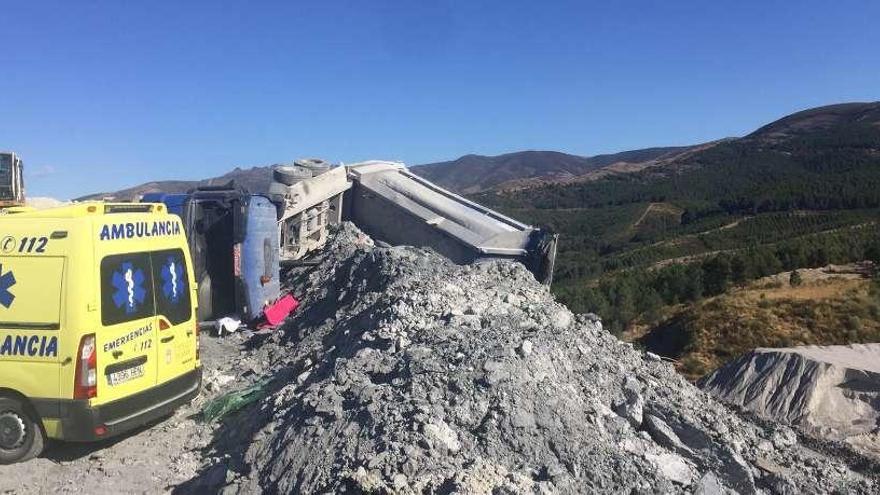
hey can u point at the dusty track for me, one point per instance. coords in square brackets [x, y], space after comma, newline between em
[152, 459]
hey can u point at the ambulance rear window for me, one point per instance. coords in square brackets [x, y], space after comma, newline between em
[126, 288]
[172, 286]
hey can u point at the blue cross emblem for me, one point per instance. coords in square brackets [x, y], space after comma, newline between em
[129, 284]
[173, 282]
[7, 280]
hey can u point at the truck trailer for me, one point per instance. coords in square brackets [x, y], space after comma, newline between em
[11, 180]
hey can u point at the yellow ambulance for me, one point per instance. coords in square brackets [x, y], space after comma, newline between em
[98, 333]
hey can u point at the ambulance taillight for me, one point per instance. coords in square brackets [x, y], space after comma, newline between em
[86, 380]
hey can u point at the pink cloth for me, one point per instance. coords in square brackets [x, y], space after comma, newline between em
[276, 312]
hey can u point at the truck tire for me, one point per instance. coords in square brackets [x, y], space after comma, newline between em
[315, 165]
[291, 175]
[277, 193]
[206, 309]
[21, 435]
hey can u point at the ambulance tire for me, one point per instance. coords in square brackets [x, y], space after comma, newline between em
[31, 446]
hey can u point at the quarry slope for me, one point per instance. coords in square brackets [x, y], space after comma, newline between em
[829, 391]
[404, 373]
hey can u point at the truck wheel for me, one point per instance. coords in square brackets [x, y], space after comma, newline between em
[206, 309]
[291, 175]
[21, 437]
[315, 165]
[278, 196]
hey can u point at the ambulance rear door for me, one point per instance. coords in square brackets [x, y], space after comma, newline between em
[127, 342]
[175, 315]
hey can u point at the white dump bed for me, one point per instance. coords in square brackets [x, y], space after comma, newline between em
[397, 206]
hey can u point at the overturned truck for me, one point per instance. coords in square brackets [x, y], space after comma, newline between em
[237, 238]
[396, 206]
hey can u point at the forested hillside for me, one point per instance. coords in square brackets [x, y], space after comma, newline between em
[834, 305]
[801, 192]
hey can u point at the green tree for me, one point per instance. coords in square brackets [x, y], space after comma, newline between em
[716, 275]
[739, 270]
[872, 253]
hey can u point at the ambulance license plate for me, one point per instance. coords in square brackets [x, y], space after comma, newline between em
[126, 375]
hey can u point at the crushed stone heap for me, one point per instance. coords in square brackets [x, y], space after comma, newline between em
[404, 373]
[829, 391]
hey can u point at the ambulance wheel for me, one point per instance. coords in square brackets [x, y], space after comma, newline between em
[21, 436]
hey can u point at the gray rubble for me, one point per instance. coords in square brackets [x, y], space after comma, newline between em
[404, 373]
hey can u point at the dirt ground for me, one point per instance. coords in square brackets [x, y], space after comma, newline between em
[152, 459]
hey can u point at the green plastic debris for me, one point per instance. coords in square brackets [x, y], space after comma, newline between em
[233, 401]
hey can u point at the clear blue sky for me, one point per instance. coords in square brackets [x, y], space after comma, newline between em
[101, 95]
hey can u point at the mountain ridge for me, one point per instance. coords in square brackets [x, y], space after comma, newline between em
[470, 174]
[254, 179]
[475, 173]
[819, 118]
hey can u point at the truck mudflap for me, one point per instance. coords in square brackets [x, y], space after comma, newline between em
[542, 255]
[81, 422]
[394, 205]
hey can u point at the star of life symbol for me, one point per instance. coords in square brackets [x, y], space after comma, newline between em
[7, 280]
[129, 284]
[172, 281]
[173, 271]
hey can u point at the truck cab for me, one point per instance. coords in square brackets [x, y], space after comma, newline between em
[233, 240]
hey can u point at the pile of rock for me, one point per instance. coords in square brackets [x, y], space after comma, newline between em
[830, 392]
[404, 373]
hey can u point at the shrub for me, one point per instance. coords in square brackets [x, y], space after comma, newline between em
[853, 323]
[874, 311]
